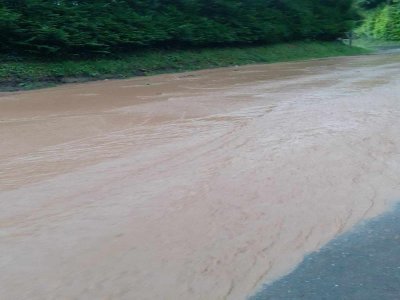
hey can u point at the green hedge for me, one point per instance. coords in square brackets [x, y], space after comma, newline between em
[382, 23]
[54, 28]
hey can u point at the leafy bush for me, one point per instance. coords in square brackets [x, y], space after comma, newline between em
[83, 28]
[382, 23]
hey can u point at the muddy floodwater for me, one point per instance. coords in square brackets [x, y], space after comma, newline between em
[199, 185]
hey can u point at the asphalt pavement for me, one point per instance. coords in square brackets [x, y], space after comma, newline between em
[363, 264]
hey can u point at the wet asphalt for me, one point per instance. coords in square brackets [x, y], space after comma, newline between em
[363, 264]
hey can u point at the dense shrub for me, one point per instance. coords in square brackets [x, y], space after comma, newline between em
[382, 23]
[90, 27]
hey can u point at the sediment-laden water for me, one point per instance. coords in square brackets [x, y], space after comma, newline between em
[200, 185]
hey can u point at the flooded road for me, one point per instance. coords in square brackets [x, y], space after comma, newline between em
[200, 185]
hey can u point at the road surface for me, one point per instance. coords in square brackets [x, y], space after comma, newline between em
[363, 264]
[199, 185]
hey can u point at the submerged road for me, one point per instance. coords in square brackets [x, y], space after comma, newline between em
[200, 185]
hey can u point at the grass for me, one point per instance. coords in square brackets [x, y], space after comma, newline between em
[28, 74]
[376, 45]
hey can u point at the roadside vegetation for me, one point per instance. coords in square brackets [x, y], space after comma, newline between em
[28, 74]
[382, 21]
[375, 45]
[86, 28]
[46, 42]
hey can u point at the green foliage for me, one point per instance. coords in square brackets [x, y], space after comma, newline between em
[382, 23]
[25, 73]
[83, 28]
[370, 4]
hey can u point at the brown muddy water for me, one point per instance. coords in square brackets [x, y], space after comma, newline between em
[199, 185]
